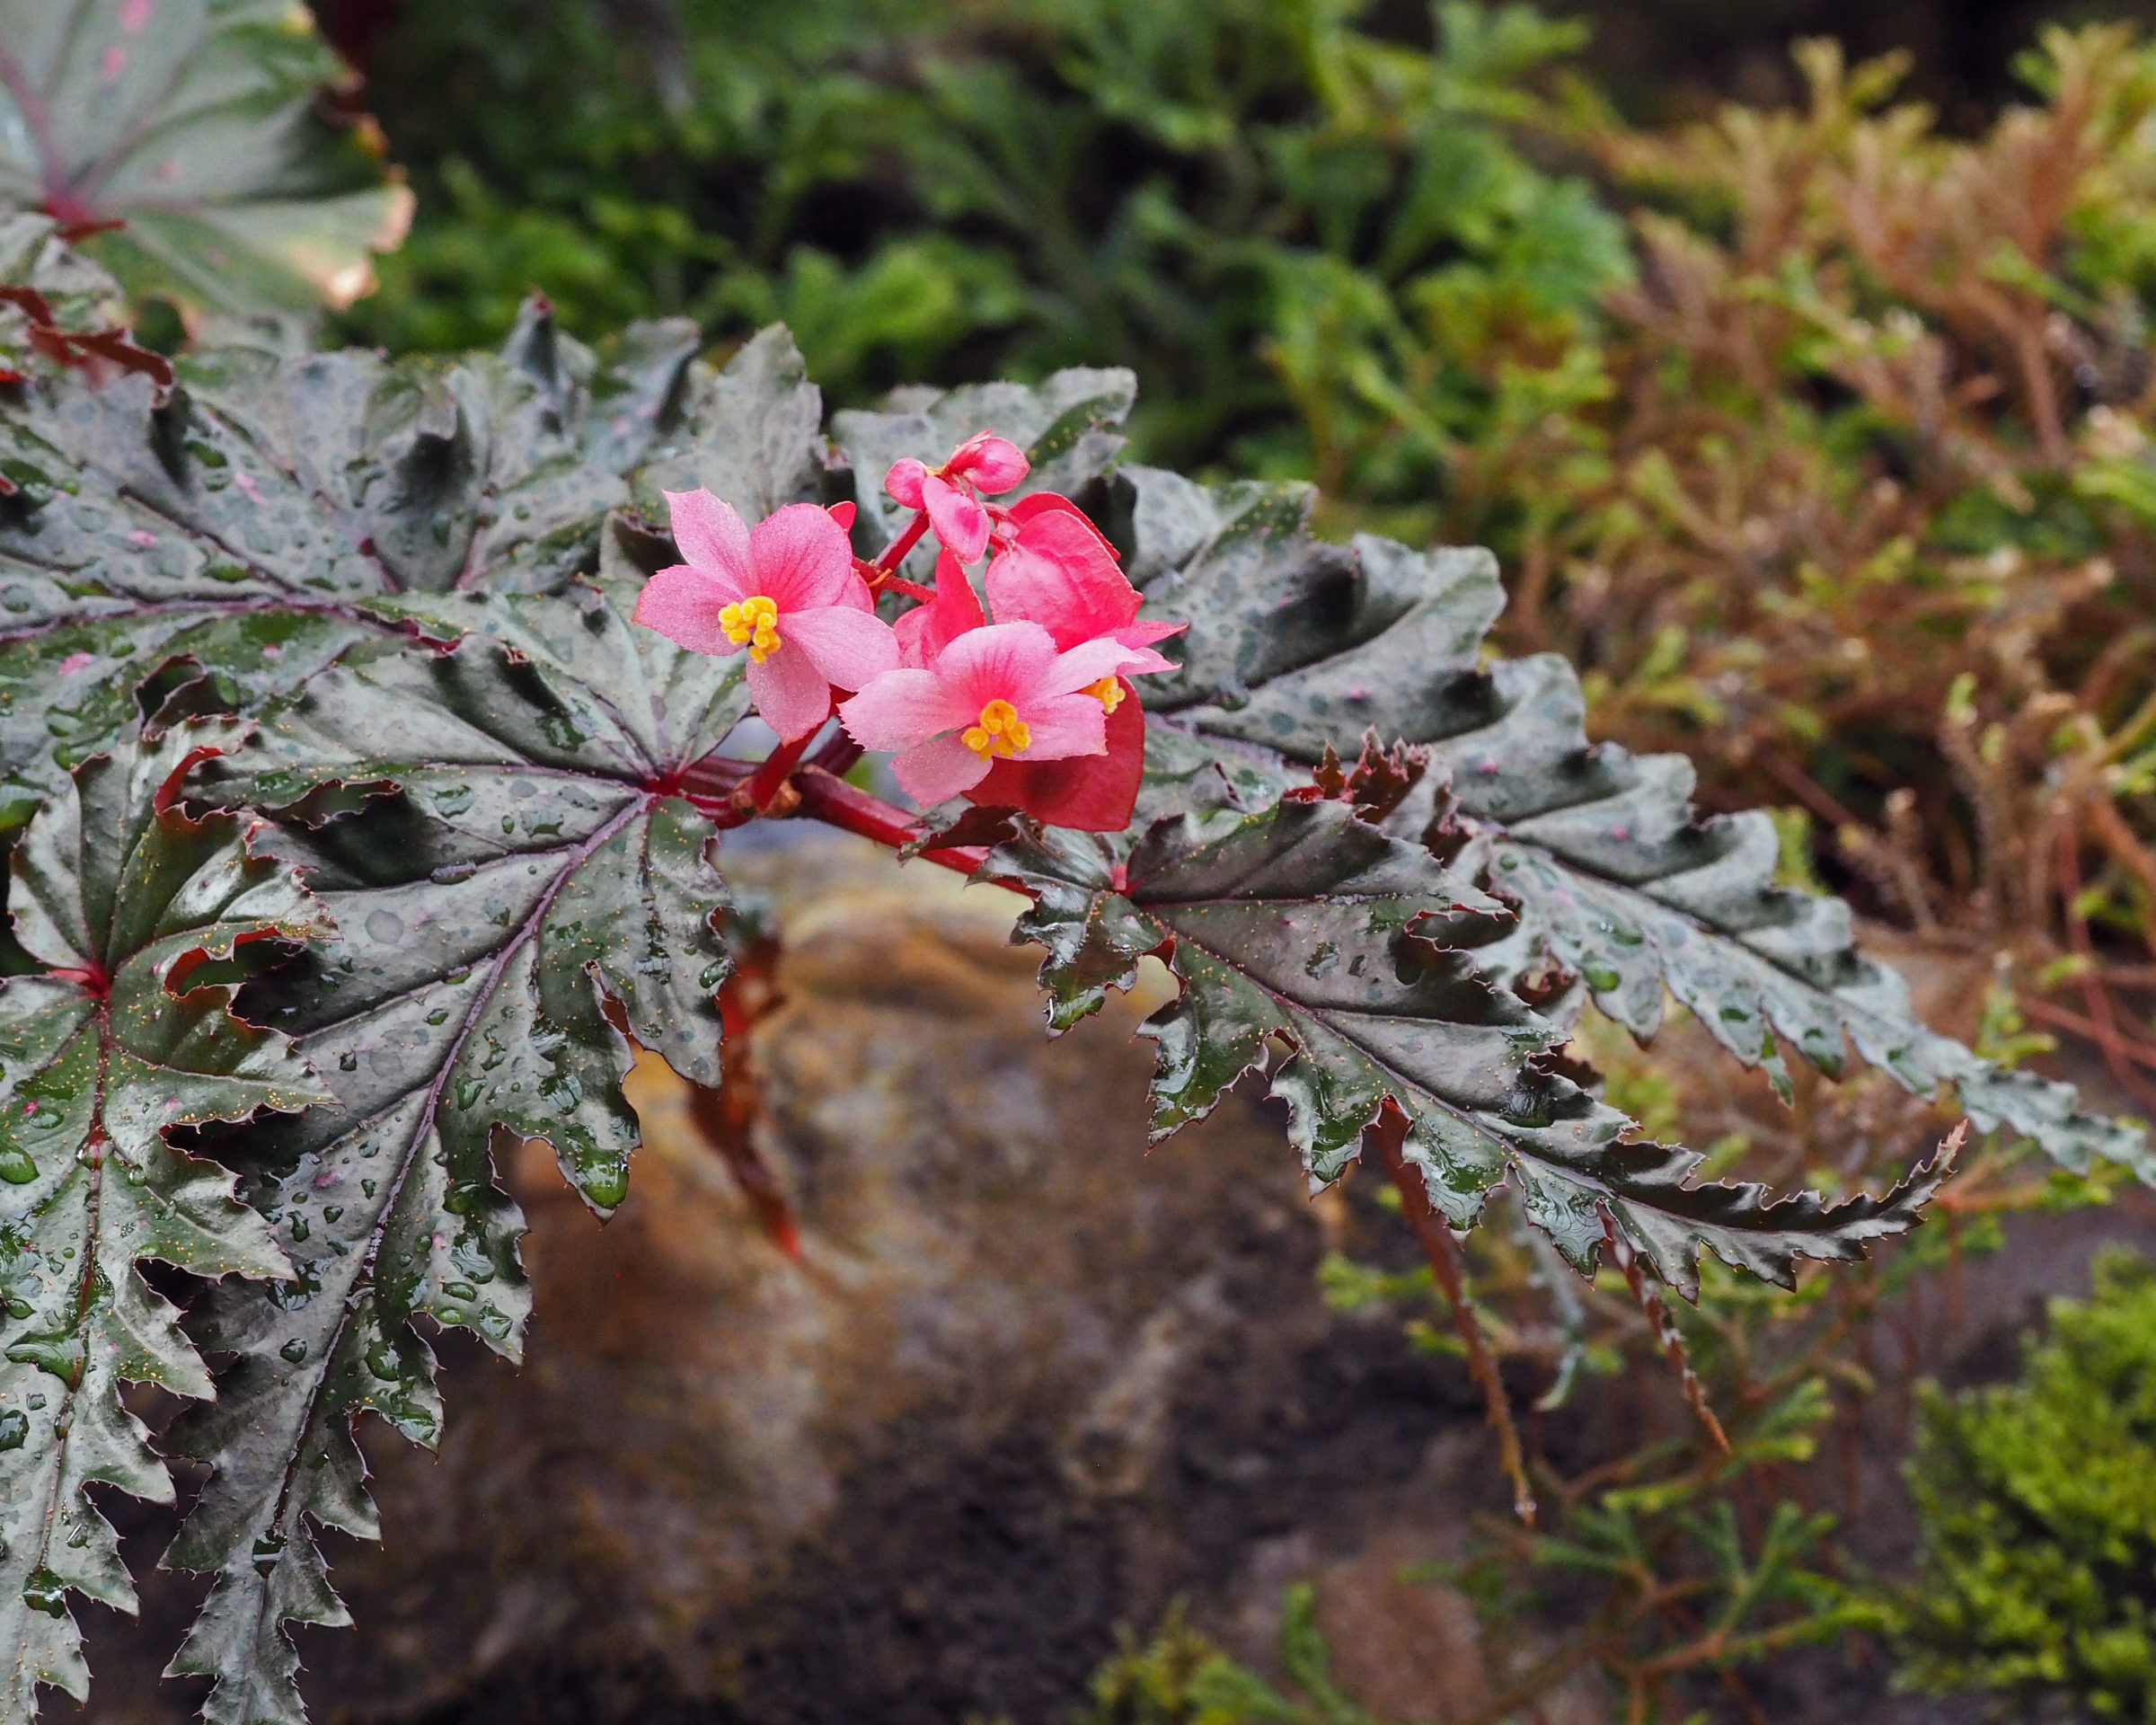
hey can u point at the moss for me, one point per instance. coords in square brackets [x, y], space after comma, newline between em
[2037, 1501]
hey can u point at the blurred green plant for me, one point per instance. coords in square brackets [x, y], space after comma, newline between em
[2038, 1504]
[1679, 1547]
[1180, 1677]
[1245, 201]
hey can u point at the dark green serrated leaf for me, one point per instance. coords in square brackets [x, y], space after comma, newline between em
[752, 434]
[196, 123]
[120, 898]
[1067, 425]
[1295, 643]
[250, 523]
[1307, 924]
[492, 827]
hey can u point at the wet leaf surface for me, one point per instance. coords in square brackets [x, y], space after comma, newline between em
[129, 905]
[488, 827]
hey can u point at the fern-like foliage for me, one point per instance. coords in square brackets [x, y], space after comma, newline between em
[381, 615]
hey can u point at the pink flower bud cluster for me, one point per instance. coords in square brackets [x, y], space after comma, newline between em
[1024, 703]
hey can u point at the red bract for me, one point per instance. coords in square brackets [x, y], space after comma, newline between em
[788, 592]
[928, 629]
[984, 465]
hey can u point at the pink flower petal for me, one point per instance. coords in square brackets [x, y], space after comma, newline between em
[842, 513]
[801, 557]
[904, 482]
[1059, 573]
[1144, 634]
[959, 520]
[789, 692]
[711, 536]
[928, 629]
[1064, 725]
[1083, 665]
[1002, 662]
[682, 604]
[849, 648]
[994, 464]
[902, 708]
[1141, 661]
[1043, 502]
[931, 772]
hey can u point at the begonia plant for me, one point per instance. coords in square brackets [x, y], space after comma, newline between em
[372, 734]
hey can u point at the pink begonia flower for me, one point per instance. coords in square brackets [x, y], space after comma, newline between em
[788, 592]
[1090, 794]
[1052, 567]
[984, 465]
[999, 693]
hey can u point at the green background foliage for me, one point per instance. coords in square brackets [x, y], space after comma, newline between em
[2038, 1506]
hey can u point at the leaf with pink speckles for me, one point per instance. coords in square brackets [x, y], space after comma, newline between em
[197, 133]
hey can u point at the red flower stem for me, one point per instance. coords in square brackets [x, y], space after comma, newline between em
[894, 552]
[837, 803]
[764, 786]
[1389, 1132]
[838, 757]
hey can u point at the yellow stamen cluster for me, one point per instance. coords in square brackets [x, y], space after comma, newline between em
[754, 624]
[1000, 732]
[1107, 692]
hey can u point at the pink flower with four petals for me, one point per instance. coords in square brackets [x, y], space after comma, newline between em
[787, 591]
[1001, 692]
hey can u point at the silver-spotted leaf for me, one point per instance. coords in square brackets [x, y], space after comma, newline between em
[123, 898]
[75, 293]
[1296, 643]
[245, 527]
[496, 828]
[1306, 925]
